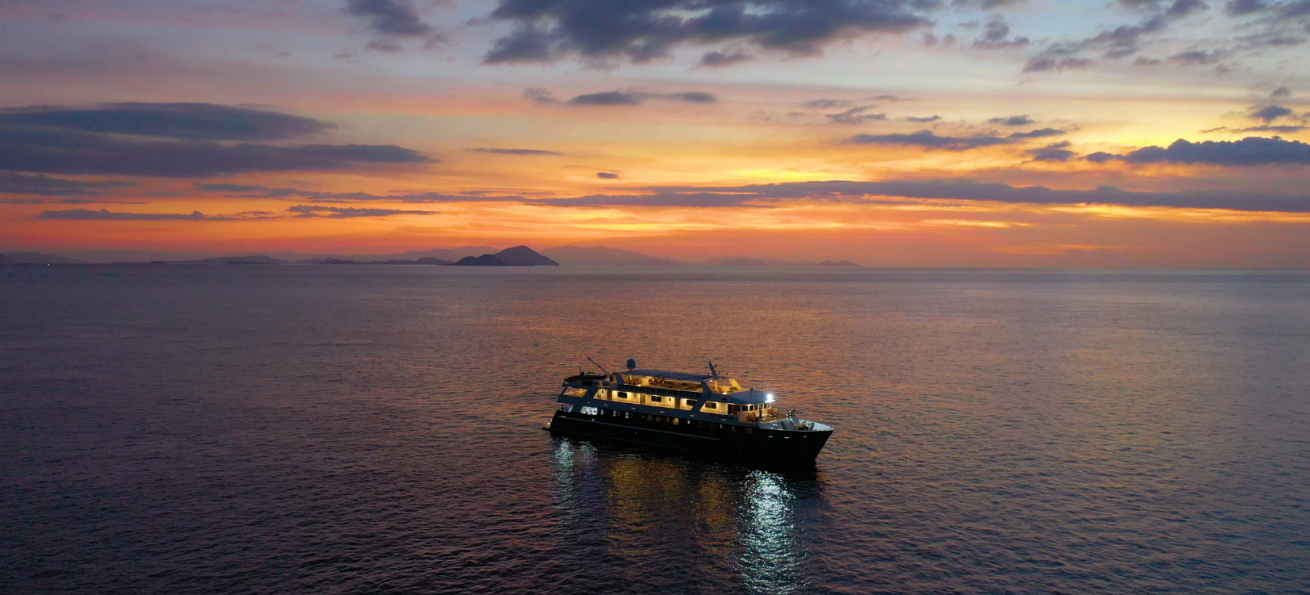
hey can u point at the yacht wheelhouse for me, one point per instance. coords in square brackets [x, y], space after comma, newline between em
[703, 413]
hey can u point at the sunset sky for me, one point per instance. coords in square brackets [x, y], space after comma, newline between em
[887, 132]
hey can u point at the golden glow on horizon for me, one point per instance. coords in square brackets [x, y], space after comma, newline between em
[973, 223]
[690, 146]
[1056, 249]
[1185, 215]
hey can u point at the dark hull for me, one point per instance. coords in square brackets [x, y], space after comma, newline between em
[720, 441]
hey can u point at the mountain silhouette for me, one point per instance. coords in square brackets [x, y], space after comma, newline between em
[486, 260]
[254, 259]
[523, 256]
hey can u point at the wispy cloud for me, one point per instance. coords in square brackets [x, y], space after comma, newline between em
[927, 139]
[350, 212]
[15, 183]
[856, 115]
[1053, 152]
[1023, 120]
[721, 58]
[1269, 113]
[393, 20]
[521, 152]
[630, 98]
[106, 215]
[251, 191]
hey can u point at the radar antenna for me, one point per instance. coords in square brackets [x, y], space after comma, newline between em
[713, 371]
[602, 368]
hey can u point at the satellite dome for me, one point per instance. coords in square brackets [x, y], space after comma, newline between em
[632, 364]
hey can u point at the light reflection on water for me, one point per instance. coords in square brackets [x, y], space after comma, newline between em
[740, 522]
[771, 558]
[376, 429]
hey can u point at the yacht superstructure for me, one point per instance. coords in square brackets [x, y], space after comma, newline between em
[704, 413]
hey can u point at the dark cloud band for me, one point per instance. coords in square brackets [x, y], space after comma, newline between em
[173, 140]
[106, 215]
[877, 192]
[188, 121]
[12, 183]
[350, 212]
[642, 30]
[1246, 152]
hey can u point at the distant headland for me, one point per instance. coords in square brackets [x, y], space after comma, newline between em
[475, 256]
[518, 256]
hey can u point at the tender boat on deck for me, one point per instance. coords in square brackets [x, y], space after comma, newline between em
[701, 413]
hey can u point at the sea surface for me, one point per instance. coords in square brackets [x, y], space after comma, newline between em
[377, 429]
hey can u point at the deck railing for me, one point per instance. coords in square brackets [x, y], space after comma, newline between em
[760, 416]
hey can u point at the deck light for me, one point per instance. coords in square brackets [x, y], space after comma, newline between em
[768, 397]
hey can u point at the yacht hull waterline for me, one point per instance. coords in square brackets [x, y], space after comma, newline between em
[703, 415]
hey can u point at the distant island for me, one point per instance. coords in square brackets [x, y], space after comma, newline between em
[425, 260]
[477, 256]
[521, 256]
[518, 256]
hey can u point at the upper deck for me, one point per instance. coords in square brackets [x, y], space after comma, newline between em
[676, 384]
[690, 396]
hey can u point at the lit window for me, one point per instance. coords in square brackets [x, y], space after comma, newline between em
[589, 411]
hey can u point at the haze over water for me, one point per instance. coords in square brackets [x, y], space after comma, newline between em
[315, 429]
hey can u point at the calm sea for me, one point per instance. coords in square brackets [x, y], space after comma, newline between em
[372, 429]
